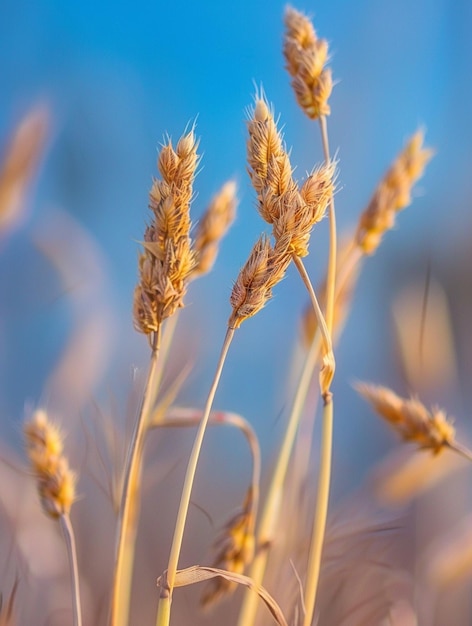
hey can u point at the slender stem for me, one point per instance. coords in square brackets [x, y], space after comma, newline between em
[462, 450]
[69, 537]
[129, 507]
[179, 417]
[324, 478]
[319, 525]
[331, 277]
[270, 512]
[163, 611]
[329, 363]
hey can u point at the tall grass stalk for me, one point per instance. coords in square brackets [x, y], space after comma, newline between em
[324, 476]
[165, 600]
[266, 531]
[129, 508]
[69, 538]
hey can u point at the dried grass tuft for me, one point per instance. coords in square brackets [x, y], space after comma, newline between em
[264, 268]
[168, 260]
[392, 194]
[55, 480]
[306, 56]
[292, 211]
[213, 226]
[409, 417]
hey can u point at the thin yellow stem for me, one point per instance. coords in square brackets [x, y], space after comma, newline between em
[69, 537]
[130, 501]
[319, 526]
[324, 477]
[270, 512]
[349, 263]
[328, 361]
[331, 277]
[462, 450]
[163, 611]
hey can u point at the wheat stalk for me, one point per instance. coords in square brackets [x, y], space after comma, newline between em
[56, 487]
[165, 268]
[306, 56]
[392, 194]
[429, 429]
[252, 290]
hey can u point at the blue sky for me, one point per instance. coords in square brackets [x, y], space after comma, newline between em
[118, 76]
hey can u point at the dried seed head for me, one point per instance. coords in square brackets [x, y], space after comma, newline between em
[292, 211]
[393, 194]
[56, 482]
[266, 155]
[306, 56]
[264, 268]
[299, 29]
[213, 226]
[234, 550]
[303, 209]
[410, 418]
[168, 260]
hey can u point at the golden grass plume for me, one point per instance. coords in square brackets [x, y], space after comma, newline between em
[410, 418]
[55, 480]
[213, 226]
[306, 55]
[168, 260]
[393, 193]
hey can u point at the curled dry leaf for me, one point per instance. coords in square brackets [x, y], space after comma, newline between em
[199, 573]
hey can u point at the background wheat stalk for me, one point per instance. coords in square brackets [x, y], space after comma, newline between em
[165, 267]
[56, 487]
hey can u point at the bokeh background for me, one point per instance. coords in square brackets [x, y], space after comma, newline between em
[115, 78]
[109, 80]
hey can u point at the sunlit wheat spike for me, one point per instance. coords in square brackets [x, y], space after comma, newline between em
[265, 267]
[234, 550]
[269, 163]
[410, 418]
[213, 226]
[168, 260]
[392, 194]
[306, 56]
[304, 208]
[55, 480]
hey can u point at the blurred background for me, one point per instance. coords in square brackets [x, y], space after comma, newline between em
[112, 79]
[107, 82]
[115, 78]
